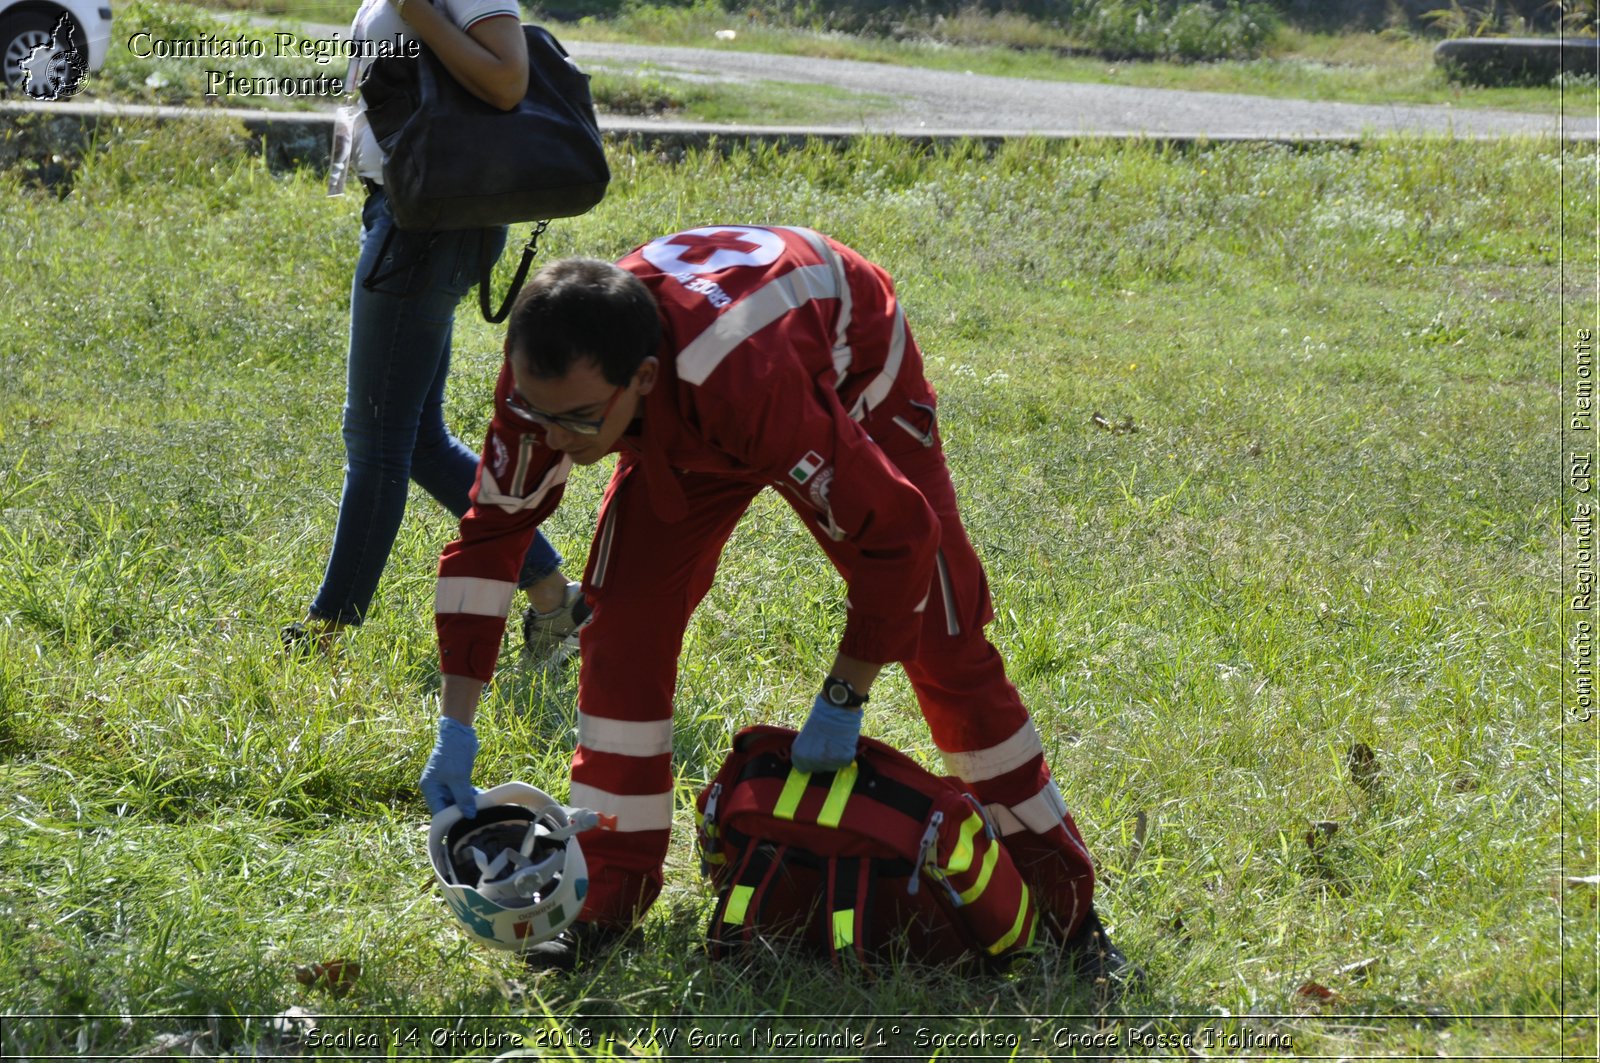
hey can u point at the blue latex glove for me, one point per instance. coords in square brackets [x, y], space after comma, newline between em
[827, 742]
[447, 780]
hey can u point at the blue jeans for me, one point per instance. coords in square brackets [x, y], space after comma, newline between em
[394, 428]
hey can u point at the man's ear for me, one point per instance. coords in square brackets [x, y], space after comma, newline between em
[646, 375]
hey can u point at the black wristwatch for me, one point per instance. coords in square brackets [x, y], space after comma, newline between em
[836, 691]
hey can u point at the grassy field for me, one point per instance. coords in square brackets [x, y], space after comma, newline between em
[1351, 68]
[1332, 519]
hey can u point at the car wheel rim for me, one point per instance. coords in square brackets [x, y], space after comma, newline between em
[17, 52]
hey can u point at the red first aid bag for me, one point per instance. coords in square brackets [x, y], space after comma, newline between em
[879, 859]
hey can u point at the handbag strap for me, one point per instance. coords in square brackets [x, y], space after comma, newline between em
[486, 282]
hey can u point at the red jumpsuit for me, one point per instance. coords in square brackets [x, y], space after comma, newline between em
[785, 363]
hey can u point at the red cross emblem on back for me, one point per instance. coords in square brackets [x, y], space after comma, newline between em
[697, 247]
[713, 249]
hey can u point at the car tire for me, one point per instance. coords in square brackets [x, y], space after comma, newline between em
[20, 34]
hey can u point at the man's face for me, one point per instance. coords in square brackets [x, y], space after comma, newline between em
[581, 414]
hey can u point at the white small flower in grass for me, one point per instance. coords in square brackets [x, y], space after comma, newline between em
[157, 80]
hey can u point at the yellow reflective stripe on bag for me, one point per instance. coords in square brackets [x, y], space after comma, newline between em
[794, 788]
[738, 904]
[961, 856]
[844, 783]
[990, 858]
[1024, 909]
[844, 928]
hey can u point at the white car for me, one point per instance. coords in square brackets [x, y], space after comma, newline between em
[47, 46]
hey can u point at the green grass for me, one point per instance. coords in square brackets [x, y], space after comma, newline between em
[1337, 522]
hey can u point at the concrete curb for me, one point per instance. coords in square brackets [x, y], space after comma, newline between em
[1518, 60]
[52, 135]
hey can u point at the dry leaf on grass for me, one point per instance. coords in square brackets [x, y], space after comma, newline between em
[1320, 834]
[1364, 769]
[1141, 829]
[1099, 420]
[336, 976]
[1316, 993]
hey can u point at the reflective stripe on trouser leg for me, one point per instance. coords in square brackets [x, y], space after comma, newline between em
[654, 576]
[979, 723]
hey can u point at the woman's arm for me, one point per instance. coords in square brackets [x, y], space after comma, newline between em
[490, 59]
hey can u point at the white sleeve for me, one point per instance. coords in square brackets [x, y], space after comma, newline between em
[465, 13]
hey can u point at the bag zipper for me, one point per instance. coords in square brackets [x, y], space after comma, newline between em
[710, 822]
[930, 840]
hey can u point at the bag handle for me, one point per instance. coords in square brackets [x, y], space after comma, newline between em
[486, 282]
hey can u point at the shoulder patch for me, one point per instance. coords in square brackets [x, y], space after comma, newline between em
[806, 468]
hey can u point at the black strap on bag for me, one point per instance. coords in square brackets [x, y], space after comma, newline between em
[486, 267]
[751, 879]
[452, 161]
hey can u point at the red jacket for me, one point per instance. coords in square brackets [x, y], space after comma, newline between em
[784, 354]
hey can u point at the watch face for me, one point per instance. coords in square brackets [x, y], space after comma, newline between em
[838, 692]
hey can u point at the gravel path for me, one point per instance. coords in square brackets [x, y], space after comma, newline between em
[937, 102]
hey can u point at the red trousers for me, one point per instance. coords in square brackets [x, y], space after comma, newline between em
[645, 576]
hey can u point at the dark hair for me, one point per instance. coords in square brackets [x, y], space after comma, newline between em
[581, 308]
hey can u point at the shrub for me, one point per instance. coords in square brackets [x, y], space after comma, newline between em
[1168, 29]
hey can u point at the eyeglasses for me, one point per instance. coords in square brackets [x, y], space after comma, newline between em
[578, 426]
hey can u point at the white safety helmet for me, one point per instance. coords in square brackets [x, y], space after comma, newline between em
[513, 874]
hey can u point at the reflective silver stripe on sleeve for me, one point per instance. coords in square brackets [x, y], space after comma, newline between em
[878, 390]
[489, 493]
[470, 594]
[952, 623]
[629, 738]
[649, 812]
[980, 764]
[602, 562]
[841, 348]
[519, 479]
[750, 315]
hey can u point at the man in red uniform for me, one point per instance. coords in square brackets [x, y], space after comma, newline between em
[716, 363]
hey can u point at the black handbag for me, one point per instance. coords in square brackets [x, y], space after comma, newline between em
[452, 161]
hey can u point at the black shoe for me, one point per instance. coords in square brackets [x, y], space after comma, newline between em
[1097, 961]
[579, 944]
[306, 640]
[296, 639]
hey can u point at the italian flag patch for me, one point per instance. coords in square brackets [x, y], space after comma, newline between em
[806, 468]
